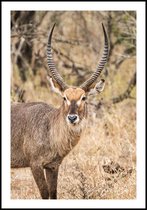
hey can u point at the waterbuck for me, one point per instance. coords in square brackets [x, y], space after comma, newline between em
[43, 135]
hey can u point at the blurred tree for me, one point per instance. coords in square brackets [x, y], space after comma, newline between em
[22, 27]
[77, 43]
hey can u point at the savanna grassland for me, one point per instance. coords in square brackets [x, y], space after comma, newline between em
[103, 164]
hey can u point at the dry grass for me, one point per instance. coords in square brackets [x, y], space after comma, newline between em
[102, 165]
[23, 185]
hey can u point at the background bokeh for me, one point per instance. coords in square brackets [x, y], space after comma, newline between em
[103, 164]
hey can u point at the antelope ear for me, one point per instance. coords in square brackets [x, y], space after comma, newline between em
[54, 86]
[99, 87]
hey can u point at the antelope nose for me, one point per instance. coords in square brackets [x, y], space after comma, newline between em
[72, 118]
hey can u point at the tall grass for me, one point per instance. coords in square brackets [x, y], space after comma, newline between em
[101, 166]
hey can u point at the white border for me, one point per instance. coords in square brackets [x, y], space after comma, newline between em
[6, 66]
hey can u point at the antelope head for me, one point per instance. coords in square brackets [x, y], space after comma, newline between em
[74, 98]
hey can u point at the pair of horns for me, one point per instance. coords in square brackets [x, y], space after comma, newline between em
[86, 85]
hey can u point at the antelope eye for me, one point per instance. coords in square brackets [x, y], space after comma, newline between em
[84, 98]
[64, 98]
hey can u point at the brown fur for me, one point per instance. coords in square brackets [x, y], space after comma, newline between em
[41, 138]
[74, 93]
[42, 135]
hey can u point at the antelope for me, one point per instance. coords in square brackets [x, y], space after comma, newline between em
[42, 135]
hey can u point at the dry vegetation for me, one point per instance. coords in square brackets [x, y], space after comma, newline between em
[103, 164]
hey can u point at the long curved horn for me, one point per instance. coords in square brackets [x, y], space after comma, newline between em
[52, 69]
[100, 66]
